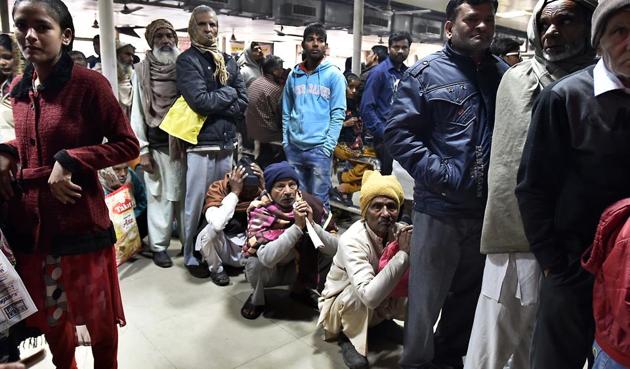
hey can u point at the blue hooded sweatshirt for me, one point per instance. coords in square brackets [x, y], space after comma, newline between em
[313, 108]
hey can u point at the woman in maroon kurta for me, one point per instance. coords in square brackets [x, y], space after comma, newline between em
[59, 225]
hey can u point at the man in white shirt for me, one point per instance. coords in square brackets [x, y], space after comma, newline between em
[575, 164]
[227, 200]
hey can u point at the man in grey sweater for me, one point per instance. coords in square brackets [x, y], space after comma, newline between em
[288, 241]
[559, 31]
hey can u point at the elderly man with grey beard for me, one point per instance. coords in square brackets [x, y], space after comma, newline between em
[154, 91]
[559, 32]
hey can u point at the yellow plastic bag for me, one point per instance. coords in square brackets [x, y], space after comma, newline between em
[182, 122]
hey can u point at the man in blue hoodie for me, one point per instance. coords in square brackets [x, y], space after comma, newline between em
[313, 110]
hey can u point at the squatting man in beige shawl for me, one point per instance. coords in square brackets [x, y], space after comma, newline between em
[154, 91]
[356, 296]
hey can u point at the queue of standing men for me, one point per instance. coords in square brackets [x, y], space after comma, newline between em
[513, 169]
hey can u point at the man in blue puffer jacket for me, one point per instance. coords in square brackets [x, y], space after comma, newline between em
[313, 111]
[439, 130]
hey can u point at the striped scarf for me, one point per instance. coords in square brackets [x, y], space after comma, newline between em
[267, 222]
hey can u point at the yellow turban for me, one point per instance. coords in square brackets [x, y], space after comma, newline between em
[374, 185]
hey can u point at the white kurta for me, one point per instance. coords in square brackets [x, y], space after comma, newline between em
[355, 297]
[164, 186]
[217, 248]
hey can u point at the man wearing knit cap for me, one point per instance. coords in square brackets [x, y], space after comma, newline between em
[559, 32]
[574, 165]
[210, 82]
[279, 249]
[357, 295]
[154, 91]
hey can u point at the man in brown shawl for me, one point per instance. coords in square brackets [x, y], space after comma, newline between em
[154, 91]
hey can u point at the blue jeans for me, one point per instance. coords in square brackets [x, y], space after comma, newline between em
[314, 169]
[603, 361]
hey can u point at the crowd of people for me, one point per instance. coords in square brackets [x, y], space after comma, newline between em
[516, 243]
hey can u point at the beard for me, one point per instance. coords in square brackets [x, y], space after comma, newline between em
[166, 56]
[124, 70]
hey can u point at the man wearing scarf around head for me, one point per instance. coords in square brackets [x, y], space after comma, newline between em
[358, 296]
[559, 32]
[278, 249]
[154, 91]
[211, 84]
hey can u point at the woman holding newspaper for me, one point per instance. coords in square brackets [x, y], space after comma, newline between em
[59, 226]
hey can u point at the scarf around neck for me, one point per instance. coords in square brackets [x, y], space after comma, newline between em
[159, 89]
[267, 222]
[206, 44]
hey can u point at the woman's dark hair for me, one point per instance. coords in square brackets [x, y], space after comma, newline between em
[59, 11]
[6, 42]
[451, 7]
[399, 36]
[352, 77]
[381, 52]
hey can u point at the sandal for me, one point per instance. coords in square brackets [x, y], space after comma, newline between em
[251, 311]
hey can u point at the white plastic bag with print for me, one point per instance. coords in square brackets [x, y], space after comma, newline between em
[120, 204]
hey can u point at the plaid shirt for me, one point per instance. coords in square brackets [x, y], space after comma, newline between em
[264, 112]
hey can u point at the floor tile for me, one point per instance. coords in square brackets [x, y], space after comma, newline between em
[217, 337]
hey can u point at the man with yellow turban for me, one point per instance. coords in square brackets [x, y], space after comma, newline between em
[211, 84]
[357, 295]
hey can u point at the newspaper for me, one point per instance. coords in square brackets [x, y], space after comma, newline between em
[15, 302]
[317, 242]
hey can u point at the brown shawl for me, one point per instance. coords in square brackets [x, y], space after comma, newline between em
[159, 89]
[218, 190]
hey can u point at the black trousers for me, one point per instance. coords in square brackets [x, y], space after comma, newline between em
[384, 157]
[564, 330]
[270, 154]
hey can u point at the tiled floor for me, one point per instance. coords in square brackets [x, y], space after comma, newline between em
[177, 321]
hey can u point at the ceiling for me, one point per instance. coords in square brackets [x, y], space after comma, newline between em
[512, 14]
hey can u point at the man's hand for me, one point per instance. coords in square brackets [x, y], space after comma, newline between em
[236, 180]
[404, 238]
[147, 163]
[350, 122]
[302, 212]
[7, 168]
[61, 186]
[259, 173]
